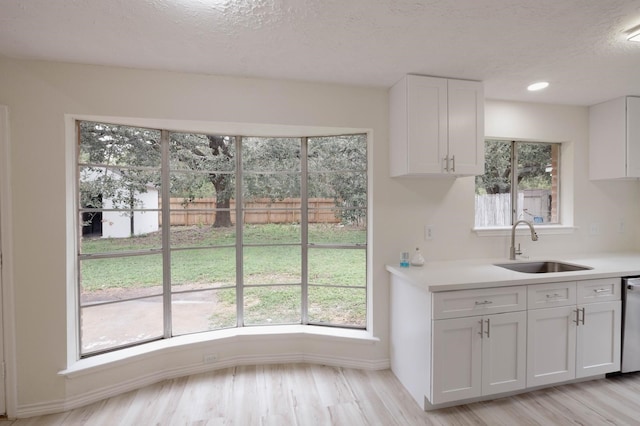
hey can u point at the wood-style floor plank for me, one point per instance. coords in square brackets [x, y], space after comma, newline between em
[315, 395]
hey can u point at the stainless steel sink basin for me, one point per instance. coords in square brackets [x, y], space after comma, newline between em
[542, 267]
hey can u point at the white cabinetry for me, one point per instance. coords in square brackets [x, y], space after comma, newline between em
[479, 354]
[614, 139]
[436, 127]
[460, 346]
[577, 333]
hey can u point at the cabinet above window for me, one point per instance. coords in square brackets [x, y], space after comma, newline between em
[436, 127]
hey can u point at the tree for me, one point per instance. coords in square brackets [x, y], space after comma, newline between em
[120, 162]
[221, 148]
[342, 165]
[125, 160]
[533, 159]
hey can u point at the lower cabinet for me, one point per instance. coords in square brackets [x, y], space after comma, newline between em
[481, 355]
[576, 340]
[462, 345]
[551, 346]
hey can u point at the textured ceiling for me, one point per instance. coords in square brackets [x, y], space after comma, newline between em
[579, 46]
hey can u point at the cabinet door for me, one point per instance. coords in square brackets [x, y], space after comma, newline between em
[633, 136]
[551, 345]
[457, 352]
[598, 339]
[504, 347]
[426, 124]
[466, 127]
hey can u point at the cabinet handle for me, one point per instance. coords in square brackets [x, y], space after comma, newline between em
[602, 290]
[481, 328]
[488, 328]
[554, 295]
[446, 163]
[577, 320]
[453, 162]
[583, 314]
[486, 302]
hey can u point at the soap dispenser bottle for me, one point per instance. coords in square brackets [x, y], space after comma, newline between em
[417, 259]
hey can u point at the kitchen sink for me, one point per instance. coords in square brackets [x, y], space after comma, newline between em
[542, 267]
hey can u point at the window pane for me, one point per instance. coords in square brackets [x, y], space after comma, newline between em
[133, 192]
[323, 233]
[345, 189]
[264, 188]
[338, 306]
[272, 305]
[347, 152]
[338, 266]
[194, 188]
[117, 324]
[197, 152]
[113, 144]
[198, 311]
[95, 243]
[271, 233]
[538, 182]
[126, 276]
[342, 219]
[270, 154]
[272, 265]
[493, 188]
[203, 268]
[201, 235]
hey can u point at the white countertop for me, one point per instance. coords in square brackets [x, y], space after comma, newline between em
[482, 273]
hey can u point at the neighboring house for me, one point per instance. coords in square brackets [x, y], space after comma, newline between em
[120, 224]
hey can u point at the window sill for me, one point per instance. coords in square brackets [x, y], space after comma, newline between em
[205, 340]
[499, 231]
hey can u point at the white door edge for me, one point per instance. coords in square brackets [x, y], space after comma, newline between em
[8, 383]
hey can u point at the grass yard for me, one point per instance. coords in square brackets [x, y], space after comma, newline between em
[272, 273]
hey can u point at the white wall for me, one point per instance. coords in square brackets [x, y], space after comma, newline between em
[39, 94]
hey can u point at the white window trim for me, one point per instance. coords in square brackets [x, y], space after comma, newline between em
[499, 231]
[202, 341]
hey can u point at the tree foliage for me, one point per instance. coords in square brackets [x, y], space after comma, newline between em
[121, 161]
[533, 160]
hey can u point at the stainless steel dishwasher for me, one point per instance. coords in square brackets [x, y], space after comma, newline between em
[630, 324]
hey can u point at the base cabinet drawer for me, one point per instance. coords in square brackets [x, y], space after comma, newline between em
[466, 303]
[606, 289]
[550, 295]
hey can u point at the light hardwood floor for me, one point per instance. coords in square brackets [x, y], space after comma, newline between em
[309, 395]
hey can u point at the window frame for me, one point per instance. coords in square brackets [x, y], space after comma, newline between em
[166, 248]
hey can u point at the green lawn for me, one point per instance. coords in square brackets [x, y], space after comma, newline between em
[269, 267]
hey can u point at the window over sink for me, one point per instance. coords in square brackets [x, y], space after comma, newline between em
[521, 181]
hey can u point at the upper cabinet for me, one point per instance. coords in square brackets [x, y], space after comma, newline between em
[614, 139]
[436, 127]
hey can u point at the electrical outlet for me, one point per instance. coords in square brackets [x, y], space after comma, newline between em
[209, 358]
[621, 228]
[428, 232]
[594, 229]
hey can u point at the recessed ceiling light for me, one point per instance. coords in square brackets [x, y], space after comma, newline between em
[537, 86]
[634, 37]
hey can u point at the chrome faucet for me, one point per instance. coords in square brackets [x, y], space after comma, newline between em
[512, 250]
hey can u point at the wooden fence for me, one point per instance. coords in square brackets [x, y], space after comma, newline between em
[495, 209]
[264, 210]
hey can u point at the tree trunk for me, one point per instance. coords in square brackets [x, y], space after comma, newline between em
[220, 146]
